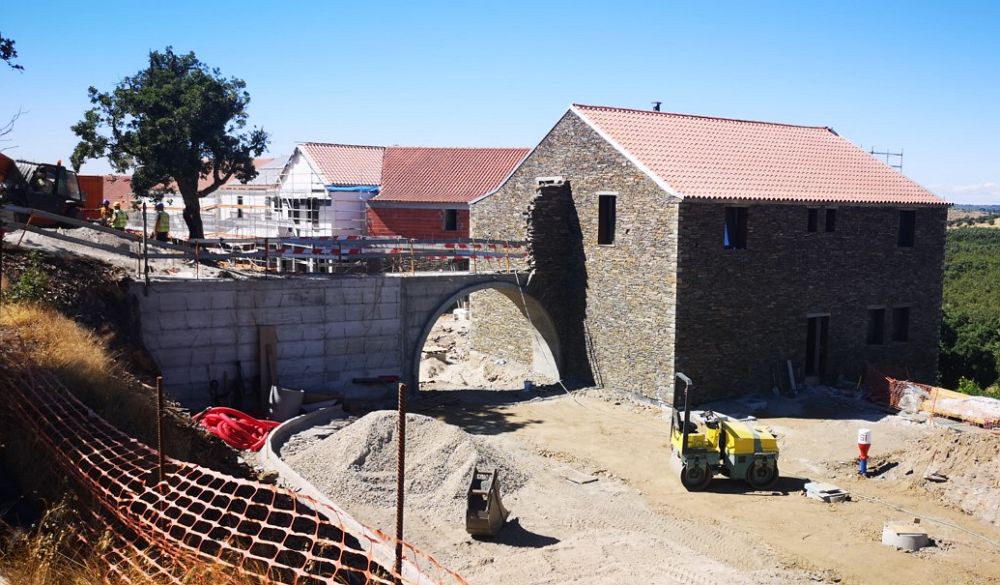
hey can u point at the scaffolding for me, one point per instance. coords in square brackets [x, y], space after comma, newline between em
[278, 203]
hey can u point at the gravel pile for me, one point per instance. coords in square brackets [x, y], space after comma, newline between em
[357, 465]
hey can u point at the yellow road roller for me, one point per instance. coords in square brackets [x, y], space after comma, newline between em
[720, 445]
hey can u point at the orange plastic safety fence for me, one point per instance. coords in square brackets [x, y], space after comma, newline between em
[198, 515]
[891, 391]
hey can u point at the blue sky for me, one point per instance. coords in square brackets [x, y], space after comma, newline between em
[915, 76]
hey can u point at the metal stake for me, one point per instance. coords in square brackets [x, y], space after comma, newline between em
[145, 251]
[400, 475]
[159, 429]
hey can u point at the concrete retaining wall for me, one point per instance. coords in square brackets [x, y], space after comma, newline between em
[329, 330]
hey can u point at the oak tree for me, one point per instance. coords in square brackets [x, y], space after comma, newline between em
[177, 124]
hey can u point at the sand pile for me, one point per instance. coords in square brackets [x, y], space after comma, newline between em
[970, 462]
[357, 465]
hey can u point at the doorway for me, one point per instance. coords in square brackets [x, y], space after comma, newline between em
[816, 344]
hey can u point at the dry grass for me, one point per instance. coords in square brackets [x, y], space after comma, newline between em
[99, 378]
[56, 554]
[52, 553]
[82, 361]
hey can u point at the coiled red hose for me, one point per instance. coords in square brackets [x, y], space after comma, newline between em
[236, 428]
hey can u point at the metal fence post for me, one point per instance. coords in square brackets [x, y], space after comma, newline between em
[400, 476]
[159, 431]
[145, 251]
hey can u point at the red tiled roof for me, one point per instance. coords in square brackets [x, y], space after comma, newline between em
[444, 175]
[719, 158]
[345, 164]
[118, 188]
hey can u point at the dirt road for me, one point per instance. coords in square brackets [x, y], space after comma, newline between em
[838, 541]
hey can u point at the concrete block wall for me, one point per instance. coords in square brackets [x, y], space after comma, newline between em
[329, 331]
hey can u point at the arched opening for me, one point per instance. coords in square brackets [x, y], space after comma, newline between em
[447, 358]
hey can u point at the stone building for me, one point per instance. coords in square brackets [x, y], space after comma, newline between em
[721, 248]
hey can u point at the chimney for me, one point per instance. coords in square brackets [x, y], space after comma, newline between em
[656, 106]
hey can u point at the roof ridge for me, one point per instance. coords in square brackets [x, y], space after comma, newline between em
[703, 117]
[410, 147]
[374, 146]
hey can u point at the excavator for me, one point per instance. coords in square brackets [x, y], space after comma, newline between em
[47, 187]
[721, 445]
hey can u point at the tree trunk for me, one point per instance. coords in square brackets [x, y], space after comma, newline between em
[192, 216]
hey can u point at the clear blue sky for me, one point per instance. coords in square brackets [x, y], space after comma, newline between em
[910, 75]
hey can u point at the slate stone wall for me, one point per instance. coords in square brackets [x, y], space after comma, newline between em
[742, 313]
[613, 305]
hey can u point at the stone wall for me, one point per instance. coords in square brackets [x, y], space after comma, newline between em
[624, 292]
[742, 313]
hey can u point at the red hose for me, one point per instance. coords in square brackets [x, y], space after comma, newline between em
[236, 428]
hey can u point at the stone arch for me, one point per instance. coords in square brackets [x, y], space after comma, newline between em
[546, 351]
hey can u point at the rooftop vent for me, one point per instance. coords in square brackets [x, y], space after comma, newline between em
[656, 106]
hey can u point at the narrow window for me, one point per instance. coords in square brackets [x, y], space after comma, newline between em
[314, 205]
[901, 324]
[735, 235]
[813, 220]
[606, 219]
[268, 210]
[831, 220]
[876, 326]
[239, 207]
[451, 220]
[907, 227]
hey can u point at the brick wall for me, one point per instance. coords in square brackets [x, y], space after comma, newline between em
[613, 305]
[410, 222]
[742, 313]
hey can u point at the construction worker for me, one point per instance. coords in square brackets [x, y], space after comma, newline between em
[106, 213]
[119, 219]
[162, 225]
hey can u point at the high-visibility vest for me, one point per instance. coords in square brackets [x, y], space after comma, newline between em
[119, 219]
[162, 222]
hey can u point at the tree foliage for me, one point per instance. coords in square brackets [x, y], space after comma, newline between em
[177, 124]
[970, 328]
[8, 53]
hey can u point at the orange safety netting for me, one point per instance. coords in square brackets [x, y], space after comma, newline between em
[894, 391]
[197, 515]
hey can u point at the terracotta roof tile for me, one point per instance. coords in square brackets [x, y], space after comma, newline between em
[444, 175]
[719, 158]
[118, 188]
[346, 164]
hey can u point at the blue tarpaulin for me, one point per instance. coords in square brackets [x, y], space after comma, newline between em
[352, 188]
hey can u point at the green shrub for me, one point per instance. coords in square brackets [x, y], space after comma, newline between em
[967, 386]
[32, 284]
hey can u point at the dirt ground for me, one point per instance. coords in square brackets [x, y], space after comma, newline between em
[601, 503]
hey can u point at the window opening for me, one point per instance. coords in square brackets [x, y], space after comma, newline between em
[450, 220]
[907, 228]
[606, 219]
[735, 234]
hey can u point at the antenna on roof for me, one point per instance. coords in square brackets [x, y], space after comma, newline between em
[893, 159]
[656, 106]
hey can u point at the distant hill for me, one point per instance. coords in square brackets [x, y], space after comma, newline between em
[973, 207]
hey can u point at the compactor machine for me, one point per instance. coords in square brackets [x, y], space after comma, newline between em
[720, 445]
